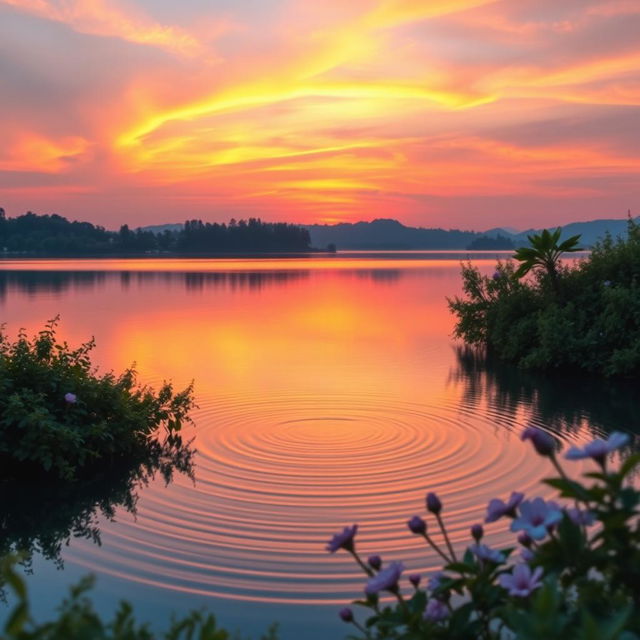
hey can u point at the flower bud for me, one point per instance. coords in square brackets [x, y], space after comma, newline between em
[433, 503]
[417, 525]
[414, 579]
[477, 532]
[524, 539]
[346, 614]
[375, 562]
[543, 443]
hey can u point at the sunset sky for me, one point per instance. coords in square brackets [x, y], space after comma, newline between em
[454, 113]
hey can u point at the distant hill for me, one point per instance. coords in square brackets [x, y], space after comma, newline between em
[390, 234]
[387, 234]
[590, 232]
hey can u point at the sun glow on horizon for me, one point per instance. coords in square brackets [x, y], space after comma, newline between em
[464, 113]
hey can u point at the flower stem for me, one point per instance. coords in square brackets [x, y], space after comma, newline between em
[363, 566]
[446, 537]
[436, 548]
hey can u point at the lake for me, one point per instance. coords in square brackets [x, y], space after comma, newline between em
[330, 392]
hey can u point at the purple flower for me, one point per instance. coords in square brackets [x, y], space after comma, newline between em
[433, 503]
[485, 553]
[599, 449]
[71, 398]
[580, 517]
[435, 581]
[496, 275]
[375, 562]
[415, 579]
[607, 283]
[477, 532]
[544, 443]
[346, 614]
[436, 611]
[417, 525]
[527, 554]
[521, 583]
[497, 508]
[385, 580]
[343, 540]
[536, 516]
[525, 540]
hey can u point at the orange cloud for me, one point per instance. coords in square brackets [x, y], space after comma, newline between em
[105, 18]
[32, 152]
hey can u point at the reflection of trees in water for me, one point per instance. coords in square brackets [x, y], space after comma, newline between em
[41, 516]
[33, 282]
[559, 402]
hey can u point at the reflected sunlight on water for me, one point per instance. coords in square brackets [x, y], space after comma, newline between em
[328, 395]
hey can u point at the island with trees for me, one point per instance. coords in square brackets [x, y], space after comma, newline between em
[54, 235]
[541, 314]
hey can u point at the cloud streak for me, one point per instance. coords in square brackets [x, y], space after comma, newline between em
[439, 113]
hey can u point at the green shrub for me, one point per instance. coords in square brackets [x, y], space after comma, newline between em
[580, 318]
[78, 620]
[60, 418]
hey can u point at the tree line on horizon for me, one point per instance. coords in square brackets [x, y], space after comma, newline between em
[55, 235]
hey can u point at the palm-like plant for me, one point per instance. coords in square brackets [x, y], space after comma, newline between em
[544, 253]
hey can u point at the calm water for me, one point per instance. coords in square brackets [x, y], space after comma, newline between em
[329, 392]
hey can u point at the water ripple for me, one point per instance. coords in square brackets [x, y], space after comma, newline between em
[277, 475]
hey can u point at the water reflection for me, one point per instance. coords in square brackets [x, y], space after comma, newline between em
[60, 282]
[40, 517]
[559, 402]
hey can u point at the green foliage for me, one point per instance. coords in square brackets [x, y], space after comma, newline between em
[544, 252]
[55, 235]
[78, 620]
[583, 318]
[107, 419]
[579, 573]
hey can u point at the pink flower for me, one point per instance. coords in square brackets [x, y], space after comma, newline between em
[343, 540]
[536, 517]
[70, 398]
[521, 582]
[497, 508]
[385, 580]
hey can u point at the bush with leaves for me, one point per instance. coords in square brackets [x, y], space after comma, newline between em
[78, 620]
[60, 418]
[580, 318]
[574, 572]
